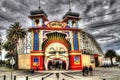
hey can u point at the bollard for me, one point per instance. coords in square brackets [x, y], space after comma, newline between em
[4, 77]
[26, 77]
[42, 78]
[57, 75]
[14, 77]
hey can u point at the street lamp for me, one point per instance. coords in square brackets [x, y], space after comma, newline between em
[12, 62]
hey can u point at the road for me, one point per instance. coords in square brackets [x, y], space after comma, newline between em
[98, 74]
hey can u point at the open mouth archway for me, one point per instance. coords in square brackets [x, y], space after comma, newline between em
[56, 57]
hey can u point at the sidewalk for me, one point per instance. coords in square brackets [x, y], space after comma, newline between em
[4, 69]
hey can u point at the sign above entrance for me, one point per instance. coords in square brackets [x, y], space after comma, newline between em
[56, 24]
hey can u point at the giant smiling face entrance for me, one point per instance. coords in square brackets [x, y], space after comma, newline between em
[56, 57]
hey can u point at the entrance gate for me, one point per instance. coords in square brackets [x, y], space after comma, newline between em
[56, 65]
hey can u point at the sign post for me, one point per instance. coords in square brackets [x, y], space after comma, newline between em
[12, 62]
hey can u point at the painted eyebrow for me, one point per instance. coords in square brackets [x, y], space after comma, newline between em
[52, 48]
[61, 48]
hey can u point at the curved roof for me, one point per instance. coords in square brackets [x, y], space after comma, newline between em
[69, 13]
[39, 11]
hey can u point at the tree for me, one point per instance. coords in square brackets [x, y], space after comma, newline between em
[14, 33]
[110, 54]
[9, 46]
[118, 58]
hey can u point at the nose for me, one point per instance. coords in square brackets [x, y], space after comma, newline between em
[57, 55]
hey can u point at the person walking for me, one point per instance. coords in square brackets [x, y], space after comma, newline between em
[86, 70]
[91, 70]
[83, 71]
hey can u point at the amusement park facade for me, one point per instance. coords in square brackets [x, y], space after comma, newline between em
[58, 45]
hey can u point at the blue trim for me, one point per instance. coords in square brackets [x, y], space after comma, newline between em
[32, 22]
[36, 41]
[41, 20]
[67, 26]
[77, 24]
[75, 41]
[70, 23]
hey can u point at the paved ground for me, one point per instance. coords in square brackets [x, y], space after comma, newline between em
[99, 74]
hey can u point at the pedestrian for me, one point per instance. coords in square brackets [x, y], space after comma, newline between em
[54, 65]
[32, 70]
[86, 70]
[83, 70]
[91, 70]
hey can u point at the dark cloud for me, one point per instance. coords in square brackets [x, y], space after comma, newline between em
[2, 28]
[112, 2]
[114, 44]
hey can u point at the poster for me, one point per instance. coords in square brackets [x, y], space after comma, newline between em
[76, 59]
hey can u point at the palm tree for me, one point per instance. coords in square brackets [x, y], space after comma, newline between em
[110, 54]
[9, 46]
[14, 33]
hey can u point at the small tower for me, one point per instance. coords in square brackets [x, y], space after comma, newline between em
[38, 17]
[71, 18]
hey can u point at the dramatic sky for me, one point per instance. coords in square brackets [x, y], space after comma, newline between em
[105, 28]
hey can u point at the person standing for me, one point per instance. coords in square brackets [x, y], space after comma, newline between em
[54, 64]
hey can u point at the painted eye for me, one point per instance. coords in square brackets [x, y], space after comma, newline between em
[52, 52]
[61, 52]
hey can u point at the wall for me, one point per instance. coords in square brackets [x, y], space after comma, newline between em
[86, 60]
[24, 61]
[100, 60]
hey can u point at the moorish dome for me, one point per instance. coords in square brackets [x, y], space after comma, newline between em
[72, 15]
[39, 11]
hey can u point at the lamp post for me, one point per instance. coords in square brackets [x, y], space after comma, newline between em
[12, 62]
[0, 48]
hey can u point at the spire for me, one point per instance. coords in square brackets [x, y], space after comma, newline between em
[39, 5]
[38, 11]
[38, 15]
[69, 5]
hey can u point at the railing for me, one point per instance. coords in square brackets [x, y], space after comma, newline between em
[109, 66]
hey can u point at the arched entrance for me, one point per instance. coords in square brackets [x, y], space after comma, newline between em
[56, 48]
[56, 57]
[57, 64]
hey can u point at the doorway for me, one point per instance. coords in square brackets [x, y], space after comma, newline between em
[96, 62]
[56, 65]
